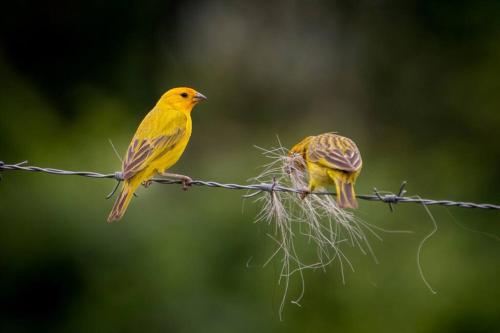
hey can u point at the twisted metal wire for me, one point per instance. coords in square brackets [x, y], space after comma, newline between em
[388, 198]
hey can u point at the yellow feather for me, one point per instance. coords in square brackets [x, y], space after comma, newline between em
[332, 159]
[158, 143]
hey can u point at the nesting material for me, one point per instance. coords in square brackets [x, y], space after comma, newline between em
[310, 233]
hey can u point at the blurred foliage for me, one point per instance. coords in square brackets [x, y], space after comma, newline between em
[415, 85]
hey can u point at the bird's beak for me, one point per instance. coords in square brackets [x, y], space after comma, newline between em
[198, 97]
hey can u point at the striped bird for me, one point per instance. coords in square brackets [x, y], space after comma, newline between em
[331, 159]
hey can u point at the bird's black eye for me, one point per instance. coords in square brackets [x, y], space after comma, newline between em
[184, 95]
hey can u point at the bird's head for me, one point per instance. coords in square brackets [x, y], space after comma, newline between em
[297, 156]
[182, 98]
[300, 148]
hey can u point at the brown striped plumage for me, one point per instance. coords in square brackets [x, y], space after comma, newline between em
[143, 149]
[332, 159]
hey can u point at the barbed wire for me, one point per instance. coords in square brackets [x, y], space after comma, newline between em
[385, 197]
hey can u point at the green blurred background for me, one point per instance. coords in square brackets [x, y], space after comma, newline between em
[416, 85]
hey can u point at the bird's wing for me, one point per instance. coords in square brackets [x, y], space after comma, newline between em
[335, 152]
[155, 136]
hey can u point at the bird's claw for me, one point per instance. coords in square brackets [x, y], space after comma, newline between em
[147, 183]
[186, 182]
[304, 193]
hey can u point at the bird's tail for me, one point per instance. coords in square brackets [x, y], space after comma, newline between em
[121, 202]
[344, 185]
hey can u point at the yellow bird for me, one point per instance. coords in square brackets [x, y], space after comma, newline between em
[331, 159]
[157, 144]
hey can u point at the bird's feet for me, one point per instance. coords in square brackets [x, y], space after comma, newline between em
[304, 193]
[147, 183]
[186, 182]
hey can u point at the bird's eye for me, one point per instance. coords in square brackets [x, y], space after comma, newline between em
[184, 95]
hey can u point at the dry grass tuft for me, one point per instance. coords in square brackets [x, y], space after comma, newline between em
[316, 223]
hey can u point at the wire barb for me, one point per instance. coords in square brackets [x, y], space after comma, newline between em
[114, 190]
[389, 198]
